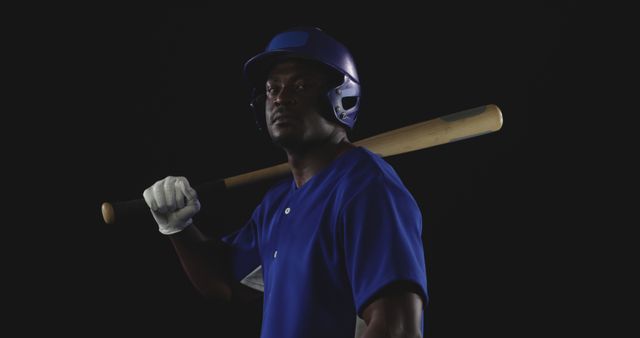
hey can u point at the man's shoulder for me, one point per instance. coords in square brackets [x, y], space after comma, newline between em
[280, 186]
[367, 171]
[371, 181]
[366, 165]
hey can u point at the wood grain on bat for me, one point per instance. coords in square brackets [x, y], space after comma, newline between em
[446, 129]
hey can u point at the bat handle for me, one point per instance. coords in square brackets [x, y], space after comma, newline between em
[127, 211]
[124, 211]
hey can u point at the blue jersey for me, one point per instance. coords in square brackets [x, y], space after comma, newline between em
[322, 251]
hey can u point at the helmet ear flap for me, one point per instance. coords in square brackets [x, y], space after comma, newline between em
[345, 101]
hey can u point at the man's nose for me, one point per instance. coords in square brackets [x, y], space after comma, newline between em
[286, 96]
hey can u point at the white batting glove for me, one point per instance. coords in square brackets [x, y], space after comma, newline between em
[173, 203]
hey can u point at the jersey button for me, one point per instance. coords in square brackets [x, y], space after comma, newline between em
[287, 211]
[275, 254]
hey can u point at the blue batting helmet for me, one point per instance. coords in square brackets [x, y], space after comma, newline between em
[313, 44]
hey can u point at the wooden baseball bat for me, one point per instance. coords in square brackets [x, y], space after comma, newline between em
[445, 129]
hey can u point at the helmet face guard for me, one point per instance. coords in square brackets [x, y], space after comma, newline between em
[312, 44]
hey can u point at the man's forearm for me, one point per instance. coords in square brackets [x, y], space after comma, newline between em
[378, 329]
[203, 261]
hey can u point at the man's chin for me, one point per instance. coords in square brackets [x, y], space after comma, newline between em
[286, 138]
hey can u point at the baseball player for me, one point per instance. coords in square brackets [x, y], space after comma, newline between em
[335, 249]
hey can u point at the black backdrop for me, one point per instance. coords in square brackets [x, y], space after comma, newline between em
[146, 93]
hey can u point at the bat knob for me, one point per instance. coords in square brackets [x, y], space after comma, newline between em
[108, 214]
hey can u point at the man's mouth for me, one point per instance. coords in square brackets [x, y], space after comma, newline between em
[283, 117]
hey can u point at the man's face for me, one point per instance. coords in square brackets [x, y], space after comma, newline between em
[295, 100]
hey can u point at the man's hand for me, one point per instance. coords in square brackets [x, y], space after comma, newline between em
[173, 203]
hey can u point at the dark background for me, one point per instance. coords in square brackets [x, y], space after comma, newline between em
[145, 93]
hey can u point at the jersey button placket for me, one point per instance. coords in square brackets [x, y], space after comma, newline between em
[287, 211]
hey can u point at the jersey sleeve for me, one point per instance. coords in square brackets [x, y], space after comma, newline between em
[246, 265]
[382, 234]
